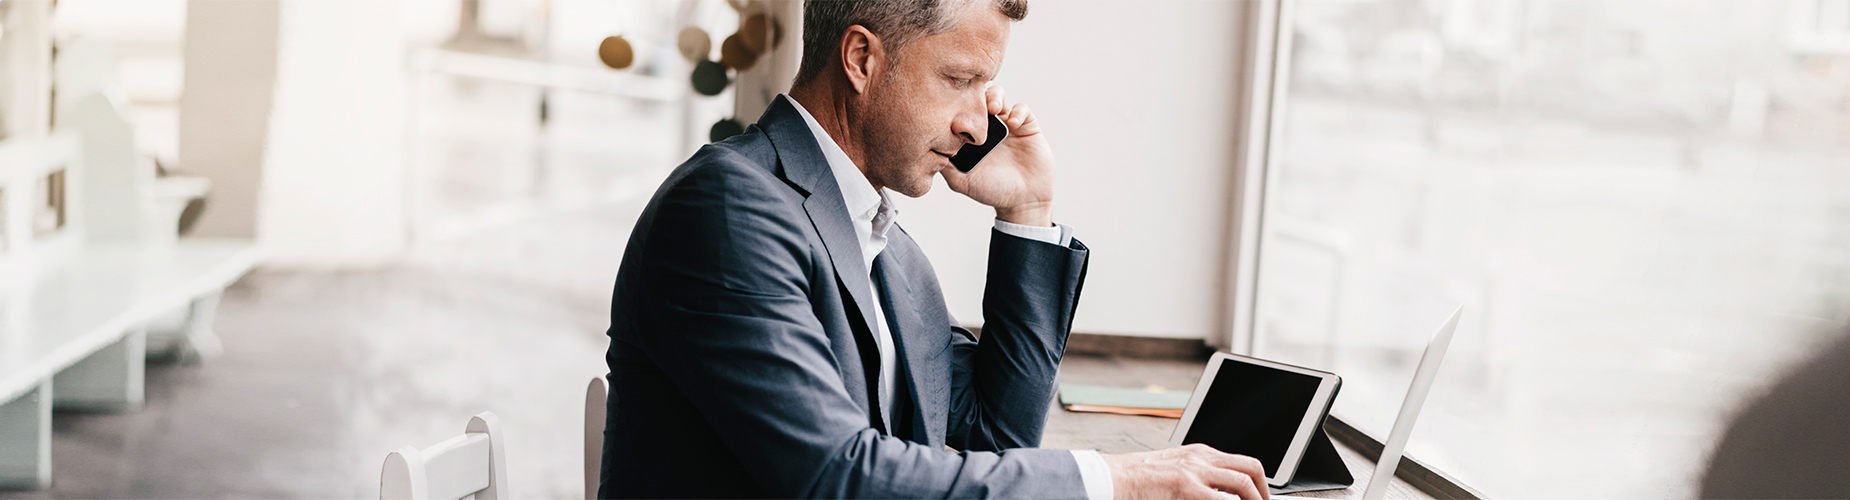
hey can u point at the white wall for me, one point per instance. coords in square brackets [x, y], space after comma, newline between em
[225, 102]
[334, 173]
[1138, 99]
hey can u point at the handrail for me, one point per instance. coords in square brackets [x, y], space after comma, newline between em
[549, 75]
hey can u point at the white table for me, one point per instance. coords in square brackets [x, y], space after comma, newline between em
[73, 336]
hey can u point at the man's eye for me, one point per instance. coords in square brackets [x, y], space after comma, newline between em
[960, 82]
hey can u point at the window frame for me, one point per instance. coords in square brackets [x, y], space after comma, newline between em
[1263, 107]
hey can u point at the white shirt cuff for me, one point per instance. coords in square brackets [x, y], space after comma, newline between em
[1056, 235]
[1095, 473]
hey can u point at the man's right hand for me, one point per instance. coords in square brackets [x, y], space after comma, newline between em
[1191, 471]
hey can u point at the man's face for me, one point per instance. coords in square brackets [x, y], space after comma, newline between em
[918, 113]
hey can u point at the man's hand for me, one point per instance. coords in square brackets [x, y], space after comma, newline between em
[1017, 176]
[1192, 471]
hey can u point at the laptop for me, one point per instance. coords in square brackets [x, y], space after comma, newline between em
[1409, 410]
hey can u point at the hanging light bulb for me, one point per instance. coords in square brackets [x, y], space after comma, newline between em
[759, 33]
[734, 54]
[724, 129]
[710, 78]
[694, 44]
[616, 52]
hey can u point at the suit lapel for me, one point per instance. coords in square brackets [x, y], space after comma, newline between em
[830, 217]
[918, 343]
[800, 162]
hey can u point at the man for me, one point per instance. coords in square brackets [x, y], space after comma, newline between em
[775, 334]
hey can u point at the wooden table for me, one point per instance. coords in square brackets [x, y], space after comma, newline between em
[1125, 433]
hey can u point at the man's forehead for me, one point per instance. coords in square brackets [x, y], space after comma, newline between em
[975, 45]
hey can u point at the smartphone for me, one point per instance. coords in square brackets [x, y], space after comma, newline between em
[967, 158]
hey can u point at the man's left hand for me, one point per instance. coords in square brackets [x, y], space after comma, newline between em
[1017, 176]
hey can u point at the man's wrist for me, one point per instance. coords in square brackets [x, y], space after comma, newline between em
[1039, 214]
[1094, 474]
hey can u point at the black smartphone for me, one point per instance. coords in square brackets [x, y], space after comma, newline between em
[967, 157]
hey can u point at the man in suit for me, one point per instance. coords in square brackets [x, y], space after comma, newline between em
[774, 333]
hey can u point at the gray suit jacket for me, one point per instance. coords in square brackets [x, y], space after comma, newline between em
[740, 345]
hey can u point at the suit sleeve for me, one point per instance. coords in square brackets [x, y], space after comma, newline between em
[736, 332]
[1002, 383]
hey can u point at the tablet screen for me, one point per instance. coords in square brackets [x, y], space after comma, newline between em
[1253, 410]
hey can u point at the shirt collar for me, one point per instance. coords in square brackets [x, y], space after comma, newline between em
[856, 192]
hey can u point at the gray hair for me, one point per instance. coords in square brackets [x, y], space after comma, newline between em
[896, 22]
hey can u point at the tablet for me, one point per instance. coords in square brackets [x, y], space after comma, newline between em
[1262, 409]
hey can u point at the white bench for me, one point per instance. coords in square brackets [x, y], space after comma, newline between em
[73, 334]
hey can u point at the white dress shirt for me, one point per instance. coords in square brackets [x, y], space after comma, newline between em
[873, 214]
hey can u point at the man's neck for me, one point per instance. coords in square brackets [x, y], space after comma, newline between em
[823, 103]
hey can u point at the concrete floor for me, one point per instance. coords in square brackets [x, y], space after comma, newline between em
[325, 373]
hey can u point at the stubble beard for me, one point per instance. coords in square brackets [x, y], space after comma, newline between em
[890, 145]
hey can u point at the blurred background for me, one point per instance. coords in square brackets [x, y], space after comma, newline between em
[397, 213]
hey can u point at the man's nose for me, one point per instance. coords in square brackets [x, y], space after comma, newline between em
[973, 127]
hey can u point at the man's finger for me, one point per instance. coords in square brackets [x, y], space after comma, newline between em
[997, 101]
[1204, 492]
[1021, 120]
[1242, 464]
[1235, 482]
[955, 178]
[1255, 470]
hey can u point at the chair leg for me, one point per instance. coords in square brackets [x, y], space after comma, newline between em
[186, 334]
[402, 477]
[25, 440]
[201, 340]
[595, 397]
[110, 379]
[487, 423]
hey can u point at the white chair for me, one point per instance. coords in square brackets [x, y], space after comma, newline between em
[595, 397]
[472, 465]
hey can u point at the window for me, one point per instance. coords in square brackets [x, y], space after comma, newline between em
[1821, 26]
[6, 237]
[49, 217]
[1646, 217]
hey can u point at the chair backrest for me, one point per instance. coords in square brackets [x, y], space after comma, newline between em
[596, 396]
[471, 465]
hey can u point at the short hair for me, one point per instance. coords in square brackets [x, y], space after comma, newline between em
[896, 22]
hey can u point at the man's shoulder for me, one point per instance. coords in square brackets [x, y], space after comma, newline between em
[745, 164]
[733, 184]
[725, 208]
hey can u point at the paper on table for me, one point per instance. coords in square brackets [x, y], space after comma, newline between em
[1148, 412]
[1152, 401]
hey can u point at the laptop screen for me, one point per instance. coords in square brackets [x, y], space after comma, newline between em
[1253, 410]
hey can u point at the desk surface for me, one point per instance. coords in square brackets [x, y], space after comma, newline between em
[88, 300]
[1124, 433]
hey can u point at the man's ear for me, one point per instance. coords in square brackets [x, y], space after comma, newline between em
[862, 57]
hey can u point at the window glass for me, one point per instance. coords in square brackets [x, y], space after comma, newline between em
[5, 237]
[1645, 215]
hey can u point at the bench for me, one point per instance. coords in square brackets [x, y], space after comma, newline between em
[72, 335]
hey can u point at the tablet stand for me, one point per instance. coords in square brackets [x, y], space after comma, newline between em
[1320, 469]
